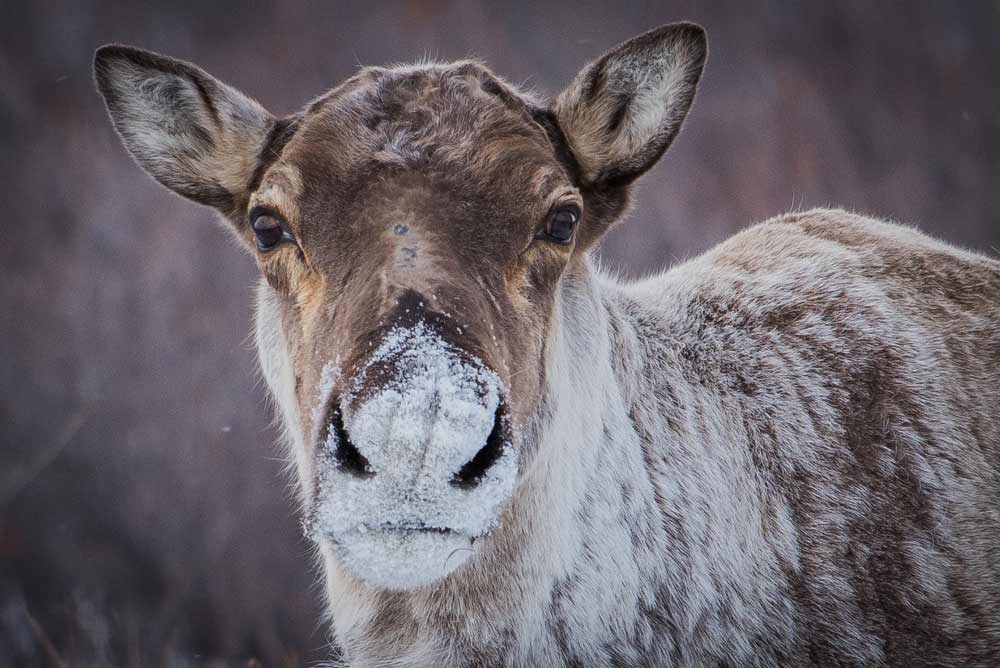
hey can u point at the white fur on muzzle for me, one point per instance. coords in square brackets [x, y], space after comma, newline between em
[405, 523]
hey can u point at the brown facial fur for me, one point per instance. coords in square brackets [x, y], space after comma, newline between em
[418, 189]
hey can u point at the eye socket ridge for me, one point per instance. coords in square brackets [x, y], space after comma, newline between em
[269, 228]
[560, 224]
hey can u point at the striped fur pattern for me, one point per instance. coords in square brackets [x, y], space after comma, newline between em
[784, 452]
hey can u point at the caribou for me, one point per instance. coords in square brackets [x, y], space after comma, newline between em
[783, 452]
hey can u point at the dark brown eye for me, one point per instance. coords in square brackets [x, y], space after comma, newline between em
[561, 224]
[268, 229]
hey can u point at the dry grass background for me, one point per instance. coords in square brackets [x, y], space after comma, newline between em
[144, 520]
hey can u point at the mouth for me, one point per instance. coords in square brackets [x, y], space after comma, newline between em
[416, 528]
[402, 557]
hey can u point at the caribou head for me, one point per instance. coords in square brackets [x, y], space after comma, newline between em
[412, 228]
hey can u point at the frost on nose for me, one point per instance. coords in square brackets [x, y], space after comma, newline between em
[431, 417]
[421, 415]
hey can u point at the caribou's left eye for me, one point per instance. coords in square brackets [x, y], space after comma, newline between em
[268, 228]
[561, 224]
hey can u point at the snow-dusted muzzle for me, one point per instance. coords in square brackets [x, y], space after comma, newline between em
[415, 461]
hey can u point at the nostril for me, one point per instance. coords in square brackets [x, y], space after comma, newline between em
[473, 471]
[348, 458]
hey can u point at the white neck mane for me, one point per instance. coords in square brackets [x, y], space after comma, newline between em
[596, 547]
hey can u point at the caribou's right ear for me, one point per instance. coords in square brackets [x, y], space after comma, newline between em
[622, 111]
[191, 132]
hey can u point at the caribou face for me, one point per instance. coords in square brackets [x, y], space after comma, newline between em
[412, 228]
[411, 235]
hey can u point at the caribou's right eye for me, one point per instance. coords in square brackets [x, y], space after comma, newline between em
[560, 225]
[269, 229]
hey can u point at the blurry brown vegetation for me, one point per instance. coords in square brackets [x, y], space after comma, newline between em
[144, 519]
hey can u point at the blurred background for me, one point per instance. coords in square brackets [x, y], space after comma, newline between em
[144, 516]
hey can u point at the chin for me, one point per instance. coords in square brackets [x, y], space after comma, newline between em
[402, 559]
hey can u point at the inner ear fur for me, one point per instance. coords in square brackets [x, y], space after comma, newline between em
[623, 110]
[193, 133]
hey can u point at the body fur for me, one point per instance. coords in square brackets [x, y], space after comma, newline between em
[784, 454]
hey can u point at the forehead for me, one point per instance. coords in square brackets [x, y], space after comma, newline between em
[454, 121]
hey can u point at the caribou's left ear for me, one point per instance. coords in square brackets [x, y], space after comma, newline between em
[623, 110]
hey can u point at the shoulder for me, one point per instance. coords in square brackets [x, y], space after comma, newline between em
[782, 263]
[884, 246]
[828, 251]
[820, 275]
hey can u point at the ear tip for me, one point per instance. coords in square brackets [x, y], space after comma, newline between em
[690, 28]
[108, 55]
[691, 38]
[693, 35]
[102, 64]
[105, 57]
[113, 51]
[112, 61]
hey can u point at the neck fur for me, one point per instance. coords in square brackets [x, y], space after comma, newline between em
[607, 533]
[567, 510]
